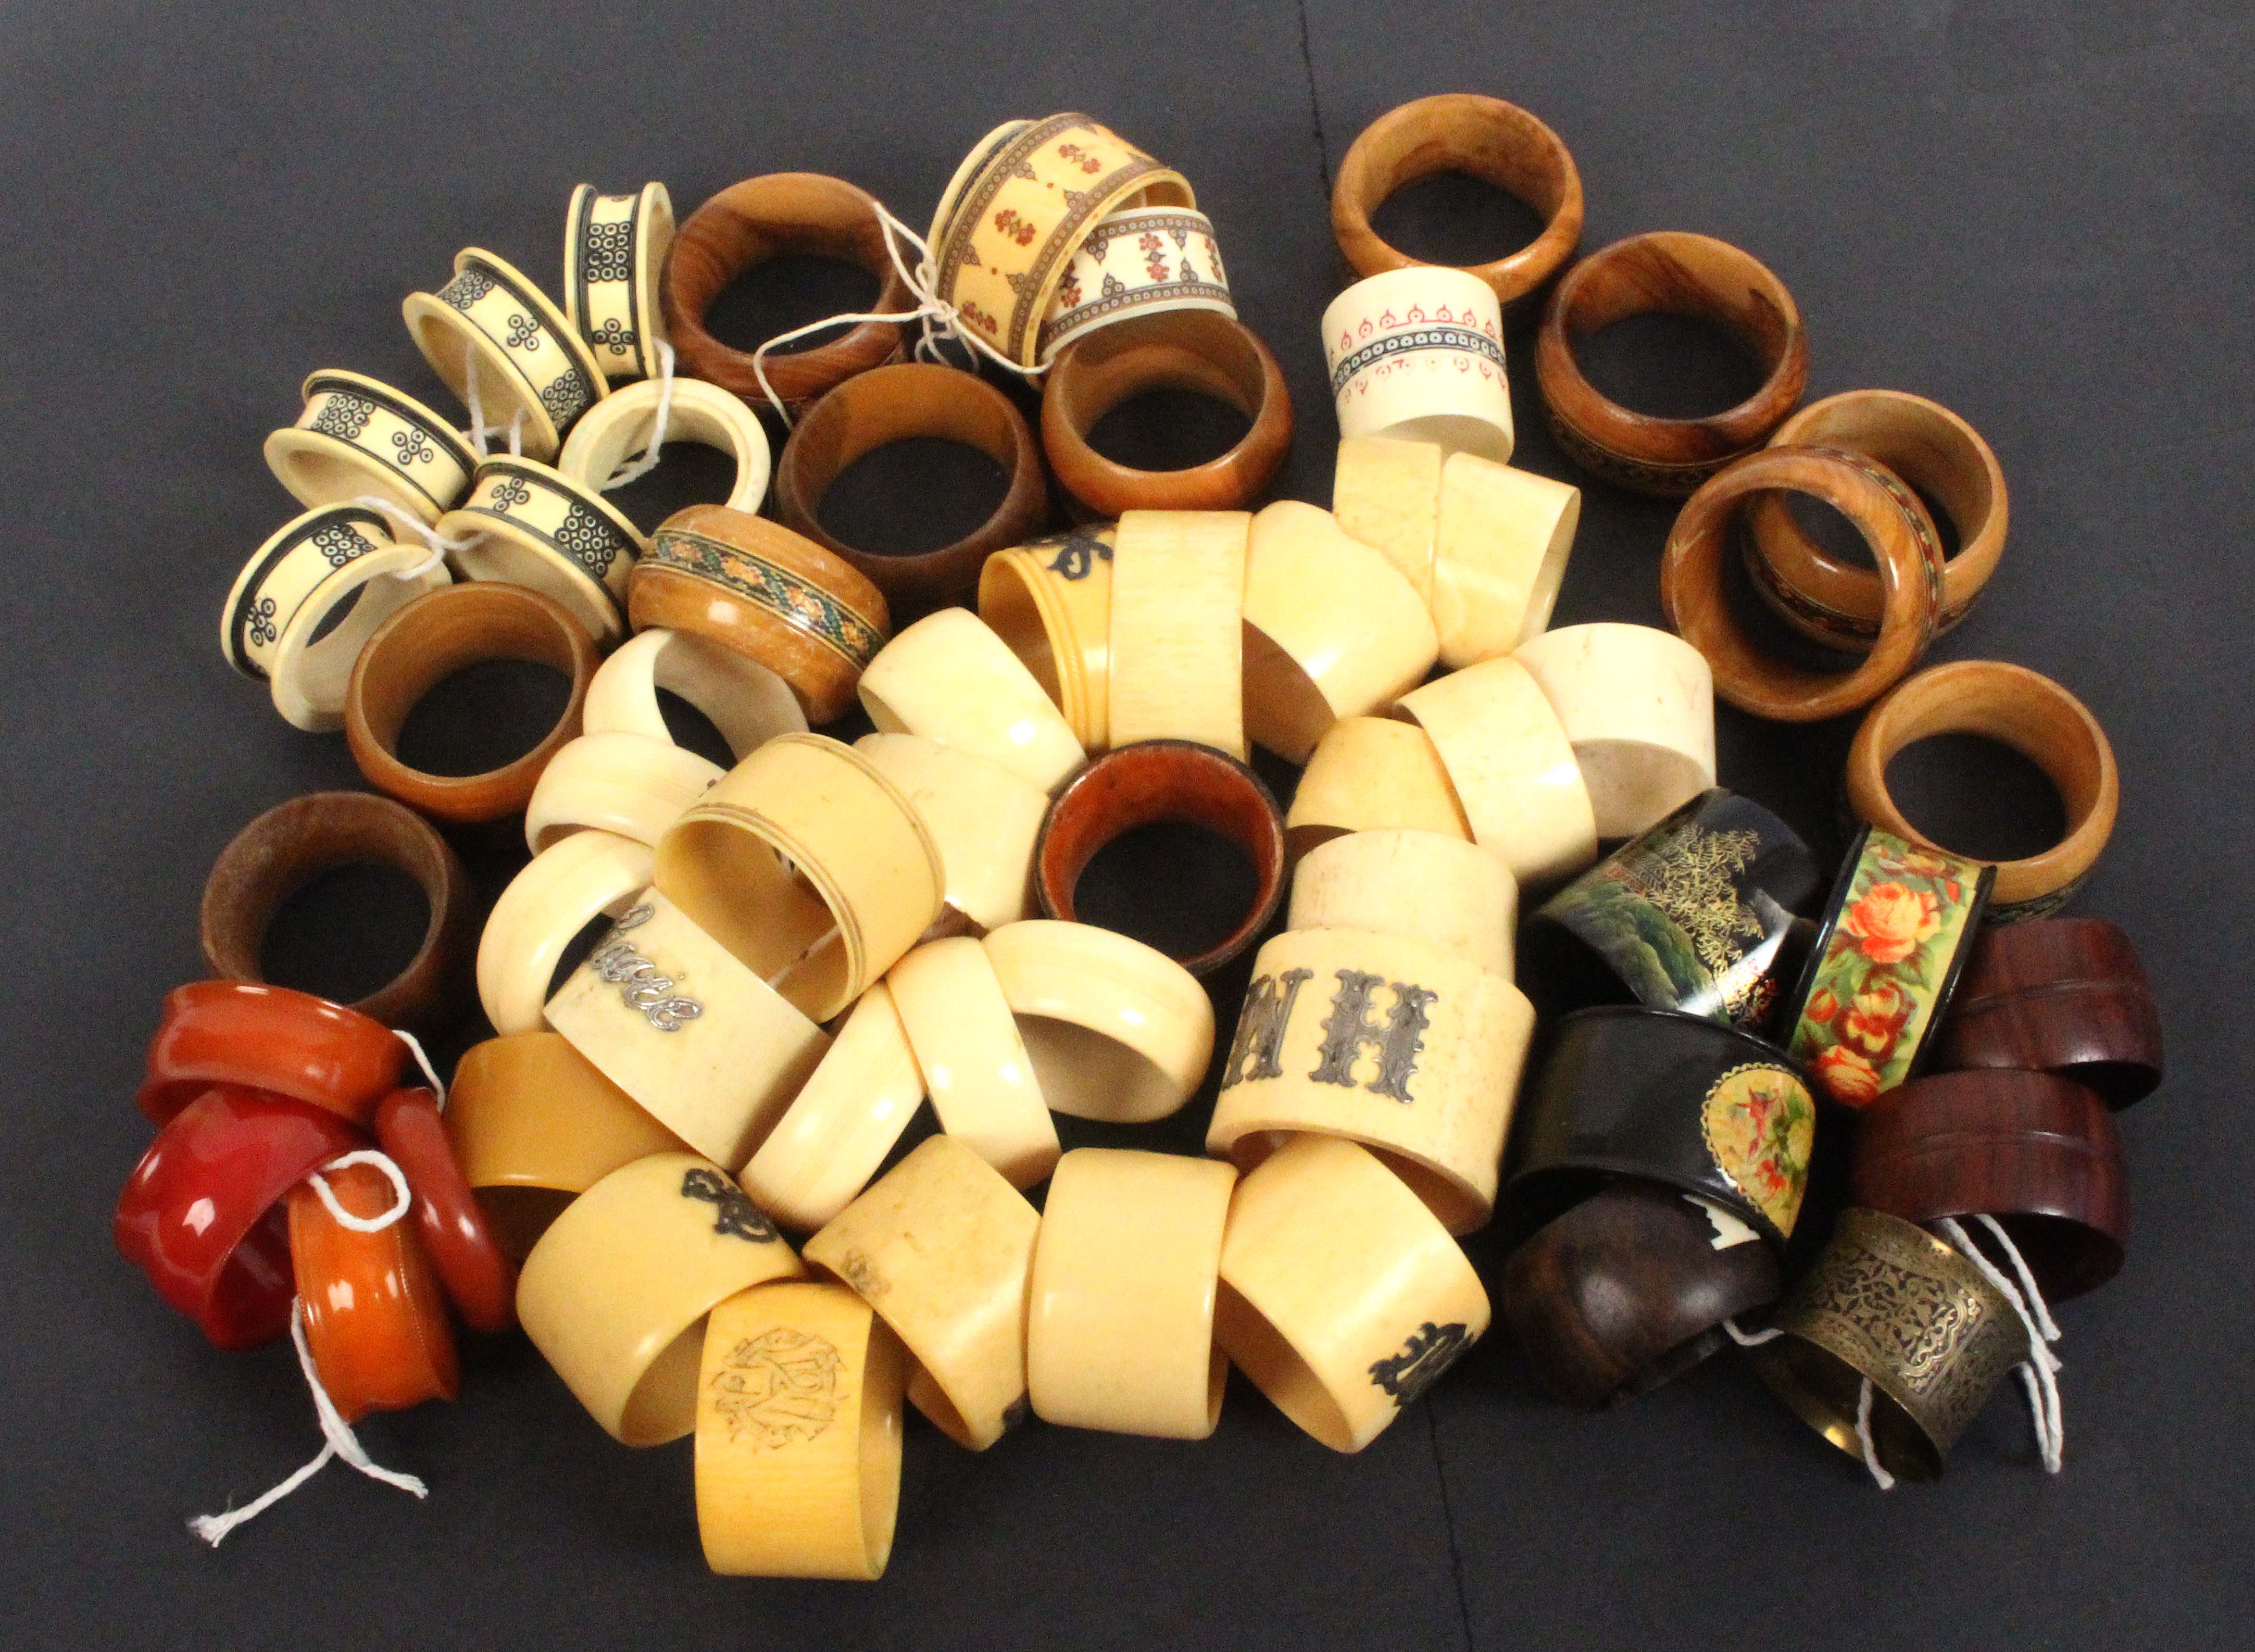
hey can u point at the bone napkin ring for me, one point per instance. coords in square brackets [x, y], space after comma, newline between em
[950, 678]
[1417, 354]
[982, 1085]
[628, 784]
[1343, 1297]
[748, 704]
[940, 1246]
[1386, 491]
[1424, 886]
[1177, 624]
[560, 891]
[358, 436]
[1372, 774]
[534, 526]
[1500, 542]
[615, 247]
[491, 322]
[1050, 601]
[1137, 261]
[984, 819]
[625, 422]
[1639, 706]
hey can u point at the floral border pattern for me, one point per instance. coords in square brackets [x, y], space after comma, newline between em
[791, 597]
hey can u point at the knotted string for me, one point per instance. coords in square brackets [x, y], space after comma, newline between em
[661, 422]
[402, 1198]
[423, 1061]
[1751, 1339]
[479, 429]
[2039, 1371]
[439, 544]
[337, 1434]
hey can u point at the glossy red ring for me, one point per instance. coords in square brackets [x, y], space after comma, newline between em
[271, 1038]
[480, 1281]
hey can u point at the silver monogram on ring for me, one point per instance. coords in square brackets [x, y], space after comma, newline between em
[641, 986]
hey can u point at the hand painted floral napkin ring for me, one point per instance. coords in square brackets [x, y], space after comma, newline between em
[1138, 261]
[506, 351]
[360, 436]
[615, 248]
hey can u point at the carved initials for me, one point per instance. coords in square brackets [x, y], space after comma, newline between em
[1260, 1027]
[1348, 1028]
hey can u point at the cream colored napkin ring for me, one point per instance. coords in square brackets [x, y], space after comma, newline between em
[799, 1435]
[615, 248]
[950, 678]
[742, 699]
[1387, 492]
[1500, 553]
[492, 321]
[534, 526]
[1639, 706]
[709, 1050]
[625, 422]
[1137, 261]
[941, 1246]
[809, 866]
[628, 784]
[1424, 886]
[1371, 774]
[1418, 353]
[1413, 1051]
[975, 1067]
[1512, 766]
[1331, 629]
[1051, 602]
[616, 1293]
[284, 572]
[1177, 663]
[835, 1134]
[1117, 1031]
[984, 819]
[578, 878]
[1119, 1321]
[358, 435]
[1341, 1297]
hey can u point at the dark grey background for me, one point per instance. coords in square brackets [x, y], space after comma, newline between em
[2040, 217]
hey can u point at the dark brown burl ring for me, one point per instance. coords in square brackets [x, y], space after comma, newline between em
[2038, 1153]
[746, 225]
[292, 843]
[1199, 351]
[1147, 784]
[1628, 1291]
[428, 641]
[901, 403]
[2066, 996]
[1487, 138]
[1669, 272]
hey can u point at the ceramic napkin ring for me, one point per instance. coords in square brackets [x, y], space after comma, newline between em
[625, 422]
[1889, 1304]
[615, 249]
[1417, 354]
[1897, 933]
[1708, 912]
[1050, 601]
[491, 322]
[358, 436]
[530, 525]
[2066, 995]
[1137, 261]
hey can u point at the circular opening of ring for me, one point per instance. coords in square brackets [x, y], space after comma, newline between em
[1456, 219]
[688, 473]
[1262, 1352]
[1179, 887]
[483, 717]
[791, 290]
[1977, 796]
[913, 496]
[346, 933]
[1169, 429]
[1834, 535]
[1669, 366]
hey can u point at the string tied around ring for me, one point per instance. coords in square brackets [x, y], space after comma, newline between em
[402, 1196]
[1879, 1476]
[479, 429]
[423, 1061]
[1751, 1339]
[940, 322]
[2039, 1372]
[661, 422]
[440, 543]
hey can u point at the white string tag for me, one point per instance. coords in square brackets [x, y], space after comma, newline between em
[402, 1199]
[1884, 1481]
[423, 1061]
[440, 543]
[1751, 1339]
[661, 423]
[2039, 1371]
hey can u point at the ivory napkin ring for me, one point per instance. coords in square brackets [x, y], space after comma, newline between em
[798, 1409]
[562, 889]
[625, 422]
[983, 819]
[616, 1293]
[1512, 766]
[762, 590]
[808, 865]
[1422, 886]
[844, 1123]
[1413, 1051]
[1342, 1296]
[627, 784]
[1372, 774]
[492, 321]
[1386, 491]
[941, 1246]
[1117, 1031]
[1119, 1316]
[1050, 601]
[1500, 542]
[950, 678]
[1418, 353]
[358, 435]
[982, 1085]
[748, 704]
[615, 247]
[1638, 705]
[1137, 261]
[1331, 629]
[535, 526]
[709, 1050]
[1178, 628]
[1037, 196]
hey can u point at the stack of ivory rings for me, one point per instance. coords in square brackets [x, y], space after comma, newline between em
[804, 948]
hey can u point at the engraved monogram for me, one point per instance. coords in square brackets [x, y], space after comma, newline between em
[1430, 1350]
[1260, 1027]
[777, 1388]
[640, 984]
[737, 1216]
[1396, 1044]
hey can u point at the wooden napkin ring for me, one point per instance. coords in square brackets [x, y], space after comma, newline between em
[1669, 272]
[292, 843]
[2066, 995]
[749, 223]
[1461, 132]
[900, 403]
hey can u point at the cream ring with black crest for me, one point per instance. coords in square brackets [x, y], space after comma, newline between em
[529, 358]
[531, 525]
[358, 436]
[615, 247]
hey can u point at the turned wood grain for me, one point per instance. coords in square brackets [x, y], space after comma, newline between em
[2065, 996]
